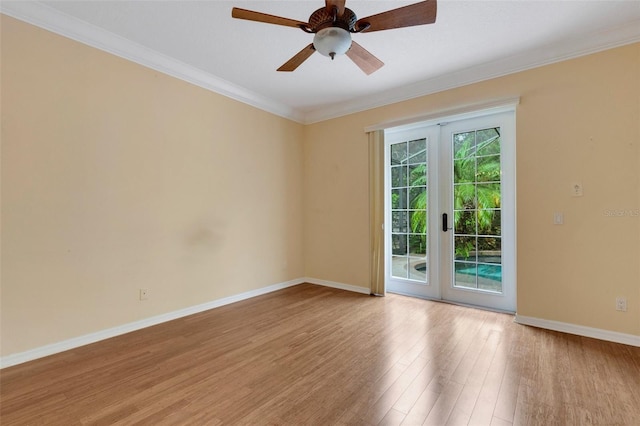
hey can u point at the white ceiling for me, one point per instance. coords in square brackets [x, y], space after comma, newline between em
[470, 41]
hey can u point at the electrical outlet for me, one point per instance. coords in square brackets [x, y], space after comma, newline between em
[621, 304]
[558, 218]
[144, 293]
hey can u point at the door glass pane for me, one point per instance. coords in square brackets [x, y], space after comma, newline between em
[399, 244]
[398, 176]
[488, 169]
[417, 152]
[399, 198]
[464, 222]
[418, 245]
[464, 144]
[417, 175]
[399, 221]
[466, 274]
[408, 177]
[488, 141]
[477, 202]
[465, 248]
[465, 196]
[399, 153]
[490, 277]
[399, 266]
[417, 269]
[490, 250]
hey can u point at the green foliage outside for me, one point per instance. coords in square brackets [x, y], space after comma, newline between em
[477, 194]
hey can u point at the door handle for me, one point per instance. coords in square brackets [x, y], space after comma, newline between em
[445, 227]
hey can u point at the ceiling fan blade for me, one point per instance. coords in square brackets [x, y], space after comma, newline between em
[407, 16]
[339, 4]
[364, 59]
[250, 15]
[298, 59]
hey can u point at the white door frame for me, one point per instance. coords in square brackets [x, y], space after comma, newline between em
[505, 301]
[431, 288]
[440, 250]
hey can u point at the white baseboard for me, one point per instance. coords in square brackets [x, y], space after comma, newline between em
[30, 355]
[65, 345]
[580, 330]
[341, 286]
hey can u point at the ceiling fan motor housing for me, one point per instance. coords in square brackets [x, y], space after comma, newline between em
[322, 18]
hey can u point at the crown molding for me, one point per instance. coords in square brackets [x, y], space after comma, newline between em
[40, 15]
[45, 17]
[522, 61]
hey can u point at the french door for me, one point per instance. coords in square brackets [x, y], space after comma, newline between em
[450, 211]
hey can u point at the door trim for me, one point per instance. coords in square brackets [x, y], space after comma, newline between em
[507, 300]
[449, 114]
[441, 276]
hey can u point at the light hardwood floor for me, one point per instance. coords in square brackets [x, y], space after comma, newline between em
[311, 355]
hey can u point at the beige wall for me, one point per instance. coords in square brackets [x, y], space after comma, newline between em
[116, 177]
[577, 121]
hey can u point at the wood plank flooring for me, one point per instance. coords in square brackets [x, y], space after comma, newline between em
[311, 355]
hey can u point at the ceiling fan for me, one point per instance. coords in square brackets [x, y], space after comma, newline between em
[334, 24]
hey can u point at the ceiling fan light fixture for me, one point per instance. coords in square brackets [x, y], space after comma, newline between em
[332, 41]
